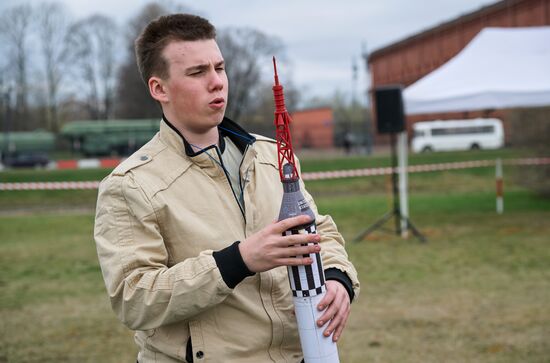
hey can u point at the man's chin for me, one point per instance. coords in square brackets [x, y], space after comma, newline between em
[218, 118]
[213, 121]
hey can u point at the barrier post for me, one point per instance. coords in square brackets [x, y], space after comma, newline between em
[499, 186]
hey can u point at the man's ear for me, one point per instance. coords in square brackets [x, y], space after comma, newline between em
[157, 89]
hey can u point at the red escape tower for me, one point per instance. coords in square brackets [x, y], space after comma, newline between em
[282, 121]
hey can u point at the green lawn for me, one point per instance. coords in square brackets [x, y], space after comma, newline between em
[44, 175]
[478, 291]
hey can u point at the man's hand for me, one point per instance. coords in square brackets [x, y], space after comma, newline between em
[268, 248]
[337, 305]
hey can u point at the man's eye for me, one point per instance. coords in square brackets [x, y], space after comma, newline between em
[196, 73]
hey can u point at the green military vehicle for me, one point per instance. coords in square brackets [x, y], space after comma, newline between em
[109, 137]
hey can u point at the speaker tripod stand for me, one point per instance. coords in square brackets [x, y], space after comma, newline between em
[402, 223]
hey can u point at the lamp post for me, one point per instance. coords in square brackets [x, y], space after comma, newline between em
[7, 90]
[368, 136]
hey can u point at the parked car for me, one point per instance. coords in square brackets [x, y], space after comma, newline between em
[26, 160]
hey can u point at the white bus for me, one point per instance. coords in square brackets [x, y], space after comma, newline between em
[474, 134]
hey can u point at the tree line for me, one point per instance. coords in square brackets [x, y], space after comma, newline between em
[58, 69]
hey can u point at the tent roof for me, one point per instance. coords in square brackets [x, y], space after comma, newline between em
[499, 68]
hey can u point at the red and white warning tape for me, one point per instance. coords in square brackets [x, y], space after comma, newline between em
[305, 176]
[63, 185]
[421, 168]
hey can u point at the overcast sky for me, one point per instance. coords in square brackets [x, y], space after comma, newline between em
[322, 37]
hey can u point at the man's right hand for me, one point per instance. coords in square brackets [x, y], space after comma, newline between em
[268, 248]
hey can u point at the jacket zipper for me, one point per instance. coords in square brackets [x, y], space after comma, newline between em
[241, 185]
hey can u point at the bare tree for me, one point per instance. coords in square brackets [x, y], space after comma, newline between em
[246, 52]
[52, 29]
[260, 114]
[15, 29]
[133, 99]
[91, 48]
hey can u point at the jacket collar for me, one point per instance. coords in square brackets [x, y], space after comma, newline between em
[227, 128]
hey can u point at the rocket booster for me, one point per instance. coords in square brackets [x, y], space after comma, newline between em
[306, 282]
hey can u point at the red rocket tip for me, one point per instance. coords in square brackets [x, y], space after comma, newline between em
[275, 68]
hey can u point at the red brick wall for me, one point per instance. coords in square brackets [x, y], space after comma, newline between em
[312, 128]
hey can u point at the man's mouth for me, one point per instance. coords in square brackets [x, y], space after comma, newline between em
[217, 102]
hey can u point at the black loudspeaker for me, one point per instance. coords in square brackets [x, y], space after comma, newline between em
[390, 115]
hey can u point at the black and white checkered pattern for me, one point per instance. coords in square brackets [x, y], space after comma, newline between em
[307, 280]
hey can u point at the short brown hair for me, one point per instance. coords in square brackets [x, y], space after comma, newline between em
[161, 31]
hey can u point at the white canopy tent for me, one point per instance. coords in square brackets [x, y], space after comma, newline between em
[499, 68]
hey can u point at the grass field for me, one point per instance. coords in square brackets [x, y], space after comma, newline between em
[478, 291]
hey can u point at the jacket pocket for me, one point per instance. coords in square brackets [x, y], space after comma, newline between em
[170, 340]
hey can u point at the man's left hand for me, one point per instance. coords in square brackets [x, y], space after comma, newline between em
[337, 305]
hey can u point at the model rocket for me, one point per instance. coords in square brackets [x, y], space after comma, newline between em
[306, 282]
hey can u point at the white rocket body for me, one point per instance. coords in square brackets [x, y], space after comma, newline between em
[316, 347]
[307, 282]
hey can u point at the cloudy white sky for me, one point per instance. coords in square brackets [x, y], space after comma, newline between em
[322, 37]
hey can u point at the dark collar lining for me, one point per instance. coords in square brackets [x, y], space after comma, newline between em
[240, 137]
[226, 128]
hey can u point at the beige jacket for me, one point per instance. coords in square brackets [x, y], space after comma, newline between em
[160, 215]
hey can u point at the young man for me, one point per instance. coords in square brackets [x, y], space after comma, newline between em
[191, 257]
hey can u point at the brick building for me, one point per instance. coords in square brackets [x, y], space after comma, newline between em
[313, 128]
[410, 59]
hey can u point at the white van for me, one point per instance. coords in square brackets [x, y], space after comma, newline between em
[480, 133]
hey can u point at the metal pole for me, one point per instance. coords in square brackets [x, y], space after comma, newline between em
[368, 127]
[499, 186]
[403, 182]
[395, 190]
[7, 120]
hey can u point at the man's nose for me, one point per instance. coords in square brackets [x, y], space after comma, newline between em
[216, 81]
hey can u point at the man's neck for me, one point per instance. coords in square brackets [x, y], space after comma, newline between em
[197, 139]
[200, 140]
